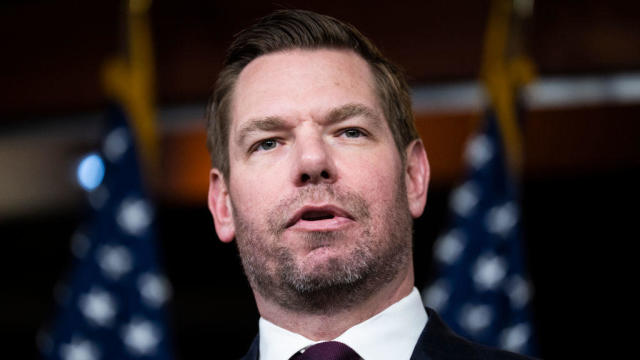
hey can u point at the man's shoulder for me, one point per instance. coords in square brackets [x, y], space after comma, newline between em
[437, 342]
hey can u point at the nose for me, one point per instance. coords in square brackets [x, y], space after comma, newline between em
[314, 163]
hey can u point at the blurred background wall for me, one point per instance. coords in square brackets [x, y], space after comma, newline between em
[581, 138]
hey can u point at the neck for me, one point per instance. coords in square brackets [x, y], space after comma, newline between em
[329, 326]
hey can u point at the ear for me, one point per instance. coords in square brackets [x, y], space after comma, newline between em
[220, 206]
[417, 177]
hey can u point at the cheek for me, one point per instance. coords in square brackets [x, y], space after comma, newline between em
[246, 196]
[374, 176]
[255, 195]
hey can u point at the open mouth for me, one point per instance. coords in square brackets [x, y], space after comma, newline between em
[317, 214]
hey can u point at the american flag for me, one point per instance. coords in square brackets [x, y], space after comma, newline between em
[481, 289]
[113, 304]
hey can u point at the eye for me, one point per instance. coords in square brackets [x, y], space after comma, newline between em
[265, 145]
[353, 133]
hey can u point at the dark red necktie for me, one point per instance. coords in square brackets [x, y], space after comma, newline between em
[329, 350]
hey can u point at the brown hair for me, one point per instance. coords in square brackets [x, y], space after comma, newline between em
[300, 29]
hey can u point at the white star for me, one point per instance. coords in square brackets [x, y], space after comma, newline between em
[518, 290]
[475, 318]
[465, 198]
[515, 338]
[115, 144]
[115, 261]
[436, 295]
[448, 247]
[479, 150]
[141, 337]
[154, 289]
[489, 271]
[134, 216]
[98, 307]
[501, 219]
[79, 349]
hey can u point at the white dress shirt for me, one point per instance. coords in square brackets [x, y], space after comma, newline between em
[391, 334]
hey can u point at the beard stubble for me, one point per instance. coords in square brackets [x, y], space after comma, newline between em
[381, 251]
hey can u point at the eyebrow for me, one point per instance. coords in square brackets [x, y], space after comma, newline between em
[351, 110]
[269, 123]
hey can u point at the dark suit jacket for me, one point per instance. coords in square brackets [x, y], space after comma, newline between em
[437, 342]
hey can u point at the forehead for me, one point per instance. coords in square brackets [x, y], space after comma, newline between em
[301, 83]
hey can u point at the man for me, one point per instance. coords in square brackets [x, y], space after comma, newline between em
[317, 173]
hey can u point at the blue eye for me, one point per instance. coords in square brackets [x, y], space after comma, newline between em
[353, 133]
[267, 144]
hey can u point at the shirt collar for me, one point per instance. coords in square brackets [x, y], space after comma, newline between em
[390, 334]
[277, 343]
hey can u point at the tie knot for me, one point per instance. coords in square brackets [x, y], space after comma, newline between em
[328, 350]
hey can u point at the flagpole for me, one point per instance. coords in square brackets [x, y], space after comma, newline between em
[506, 68]
[129, 78]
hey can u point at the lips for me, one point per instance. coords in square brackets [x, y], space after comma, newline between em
[324, 217]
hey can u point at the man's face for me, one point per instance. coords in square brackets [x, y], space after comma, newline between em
[316, 183]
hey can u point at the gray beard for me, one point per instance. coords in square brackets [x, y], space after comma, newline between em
[341, 283]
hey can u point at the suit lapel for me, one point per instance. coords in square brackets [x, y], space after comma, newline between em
[253, 352]
[438, 342]
[419, 352]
